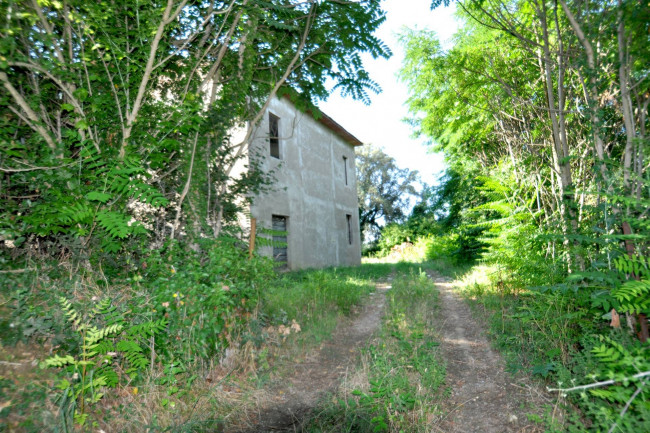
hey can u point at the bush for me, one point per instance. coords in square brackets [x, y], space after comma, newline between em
[437, 247]
[178, 306]
[207, 296]
[393, 234]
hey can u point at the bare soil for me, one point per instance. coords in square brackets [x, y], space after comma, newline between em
[321, 372]
[484, 397]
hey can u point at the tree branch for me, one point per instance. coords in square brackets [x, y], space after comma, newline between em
[35, 120]
[599, 384]
[167, 17]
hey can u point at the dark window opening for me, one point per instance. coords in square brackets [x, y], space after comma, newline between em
[279, 227]
[349, 218]
[274, 135]
[345, 168]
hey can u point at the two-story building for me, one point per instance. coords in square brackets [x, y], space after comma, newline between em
[314, 197]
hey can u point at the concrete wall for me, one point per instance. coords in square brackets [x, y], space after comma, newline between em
[310, 189]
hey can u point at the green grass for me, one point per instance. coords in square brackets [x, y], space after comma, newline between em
[552, 336]
[399, 381]
[535, 331]
[317, 299]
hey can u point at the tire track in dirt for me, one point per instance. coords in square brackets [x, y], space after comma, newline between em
[321, 372]
[484, 398]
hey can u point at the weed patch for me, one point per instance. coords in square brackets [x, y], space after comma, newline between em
[317, 299]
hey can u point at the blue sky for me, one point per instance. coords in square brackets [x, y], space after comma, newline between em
[381, 122]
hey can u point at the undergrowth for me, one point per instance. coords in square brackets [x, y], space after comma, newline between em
[181, 341]
[555, 335]
[299, 310]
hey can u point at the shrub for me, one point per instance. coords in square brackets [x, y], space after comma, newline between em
[394, 234]
[178, 306]
[208, 296]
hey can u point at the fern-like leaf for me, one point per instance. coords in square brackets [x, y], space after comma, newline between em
[637, 265]
[133, 353]
[79, 212]
[70, 313]
[115, 223]
[59, 361]
[634, 296]
[147, 329]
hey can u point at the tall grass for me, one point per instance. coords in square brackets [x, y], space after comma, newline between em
[317, 299]
[537, 331]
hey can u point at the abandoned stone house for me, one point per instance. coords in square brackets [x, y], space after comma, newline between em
[314, 197]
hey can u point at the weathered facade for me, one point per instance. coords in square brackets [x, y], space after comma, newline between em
[314, 198]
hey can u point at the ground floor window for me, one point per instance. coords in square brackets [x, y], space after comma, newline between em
[279, 227]
[349, 218]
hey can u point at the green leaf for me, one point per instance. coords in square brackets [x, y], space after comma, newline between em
[101, 197]
[59, 361]
[81, 94]
[63, 384]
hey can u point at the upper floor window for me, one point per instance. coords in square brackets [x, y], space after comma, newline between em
[274, 135]
[345, 169]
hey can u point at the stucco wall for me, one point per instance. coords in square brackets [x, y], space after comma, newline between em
[310, 190]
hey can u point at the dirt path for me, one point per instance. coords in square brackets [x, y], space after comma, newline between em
[321, 372]
[484, 398]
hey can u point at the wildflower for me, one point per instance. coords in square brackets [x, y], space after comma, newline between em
[182, 302]
[135, 390]
[173, 270]
[175, 295]
[165, 304]
[225, 288]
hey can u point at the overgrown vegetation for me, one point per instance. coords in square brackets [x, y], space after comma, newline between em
[160, 328]
[319, 299]
[118, 188]
[123, 270]
[160, 351]
[541, 110]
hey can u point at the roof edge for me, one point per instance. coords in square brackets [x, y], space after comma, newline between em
[319, 116]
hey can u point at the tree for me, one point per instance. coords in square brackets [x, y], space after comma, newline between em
[384, 190]
[544, 106]
[116, 117]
